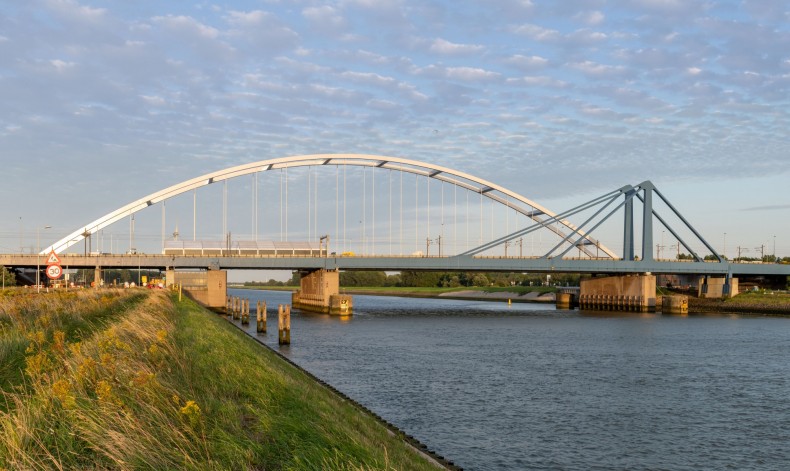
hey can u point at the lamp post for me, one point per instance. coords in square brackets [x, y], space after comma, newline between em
[38, 256]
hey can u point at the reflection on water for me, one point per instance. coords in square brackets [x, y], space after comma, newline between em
[524, 386]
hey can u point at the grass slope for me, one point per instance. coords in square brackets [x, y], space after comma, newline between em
[131, 380]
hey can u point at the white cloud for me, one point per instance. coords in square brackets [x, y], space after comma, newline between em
[472, 74]
[325, 18]
[60, 65]
[537, 33]
[592, 18]
[442, 46]
[527, 62]
[595, 69]
[186, 24]
[74, 11]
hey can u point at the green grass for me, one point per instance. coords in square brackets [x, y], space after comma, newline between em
[261, 412]
[147, 382]
[762, 297]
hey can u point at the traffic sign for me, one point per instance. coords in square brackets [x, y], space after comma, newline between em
[53, 259]
[54, 271]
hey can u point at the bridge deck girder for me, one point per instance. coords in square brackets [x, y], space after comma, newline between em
[398, 263]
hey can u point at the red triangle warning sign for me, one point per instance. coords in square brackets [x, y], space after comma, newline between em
[53, 259]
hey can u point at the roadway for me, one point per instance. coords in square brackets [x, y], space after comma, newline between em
[399, 263]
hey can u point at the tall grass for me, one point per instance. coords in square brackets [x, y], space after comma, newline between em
[164, 385]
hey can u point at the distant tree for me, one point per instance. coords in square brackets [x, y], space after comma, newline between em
[480, 280]
[296, 279]
[7, 276]
[414, 279]
[685, 256]
[362, 278]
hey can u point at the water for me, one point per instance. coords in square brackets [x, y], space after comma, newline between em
[526, 387]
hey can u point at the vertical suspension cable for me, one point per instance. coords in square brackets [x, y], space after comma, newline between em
[281, 204]
[441, 232]
[164, 202]
[373, 210]
[315, 204]
[194, 214]
[428, 195]
[252, 208]
[389, 201]
[309, 204]
[468, 216]
[344, 208]
[400, 237]
[225, 209]
[286, 203]
[455, 218]
[364, 208]
[337, 201]
[416, 223]
[480, 242]
[492, 220]
[257, 199]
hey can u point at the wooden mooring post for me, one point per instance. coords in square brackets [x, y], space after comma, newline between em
[260, 309]
[284, 324]
[245, 312]
[236, 309]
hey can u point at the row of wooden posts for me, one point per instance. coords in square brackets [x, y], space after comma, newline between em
[239, 309]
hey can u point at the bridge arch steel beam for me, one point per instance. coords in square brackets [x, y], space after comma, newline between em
[466, 181]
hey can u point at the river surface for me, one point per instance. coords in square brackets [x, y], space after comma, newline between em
[497, 387]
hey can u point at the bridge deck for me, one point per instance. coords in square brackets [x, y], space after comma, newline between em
[397, 263]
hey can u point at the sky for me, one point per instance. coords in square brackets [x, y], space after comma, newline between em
[103, 102]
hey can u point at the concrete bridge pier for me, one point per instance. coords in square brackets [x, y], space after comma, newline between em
[319, 291]
[717, 287]
[209, 287]
[619, 293]
[97, 277]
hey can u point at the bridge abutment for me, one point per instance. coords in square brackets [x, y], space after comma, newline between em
[209, 288]
[619, 293]
[319, 291]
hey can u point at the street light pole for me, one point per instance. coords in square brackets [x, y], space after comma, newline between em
[38, 256]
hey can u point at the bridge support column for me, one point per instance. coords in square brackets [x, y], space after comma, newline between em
[97, 277]
[619, 293]
[209, 288]
[319, 291]
[710, 287]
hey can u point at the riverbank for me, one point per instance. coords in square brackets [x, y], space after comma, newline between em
[135, 379]
[760, 303]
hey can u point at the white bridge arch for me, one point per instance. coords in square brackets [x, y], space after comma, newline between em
[466, 181]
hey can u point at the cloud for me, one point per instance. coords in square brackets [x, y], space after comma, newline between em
[326, 18]
[441, 46]
[773, 207]
[537, 33]
[598, 70]
[591, 18]
[187, 25]
[527, 62]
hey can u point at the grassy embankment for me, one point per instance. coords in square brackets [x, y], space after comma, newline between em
[750, 302]
[131, 379]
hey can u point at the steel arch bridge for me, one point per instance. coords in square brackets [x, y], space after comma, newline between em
[542, 216]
